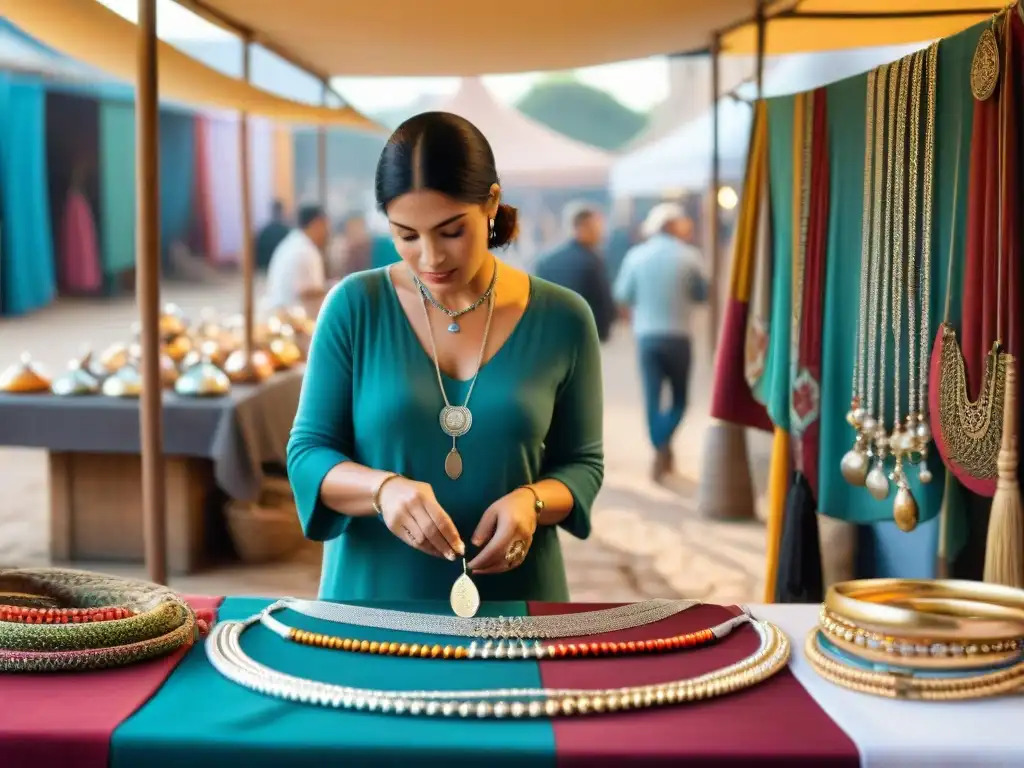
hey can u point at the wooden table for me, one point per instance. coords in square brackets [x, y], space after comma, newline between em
[214, 449]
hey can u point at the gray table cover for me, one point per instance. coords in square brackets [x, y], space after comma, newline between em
[239, 432]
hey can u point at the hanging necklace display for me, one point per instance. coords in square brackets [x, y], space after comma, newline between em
[877, 482]
[968, 433]
[854, 465]
[457, 420]
[455, 314]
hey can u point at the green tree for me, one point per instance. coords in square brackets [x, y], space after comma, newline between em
[582, 112]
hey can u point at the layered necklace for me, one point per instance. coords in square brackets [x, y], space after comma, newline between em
[455, 314]
[224, 650]
[890, 275]
[457, 420]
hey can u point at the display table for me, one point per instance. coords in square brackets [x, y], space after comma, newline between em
[181, 712]
[213, 448]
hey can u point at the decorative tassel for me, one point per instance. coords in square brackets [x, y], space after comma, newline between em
[1004, 550]
[778, 488]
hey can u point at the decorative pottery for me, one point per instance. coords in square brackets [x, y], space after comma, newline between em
[112, 359]
[260, 368]
[178, 347]
[78, 380]
[169, 372]
[284, 349]
[126, 382]
[172, 322]
[207, 350]
[204, 379]
[24, 377]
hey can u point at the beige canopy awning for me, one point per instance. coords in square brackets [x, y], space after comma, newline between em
[829, 25]
[468, 37]
[465, 37]
[92, 33]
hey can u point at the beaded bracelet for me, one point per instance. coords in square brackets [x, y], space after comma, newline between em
[23, 615]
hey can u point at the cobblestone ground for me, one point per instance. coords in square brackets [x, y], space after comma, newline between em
[648, 540]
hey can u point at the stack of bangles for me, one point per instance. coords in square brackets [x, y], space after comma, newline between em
[61, 620]
[932, 640]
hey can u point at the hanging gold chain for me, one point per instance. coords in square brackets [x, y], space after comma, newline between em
[882, 439]
[876, 252]
[898, 223]
[858, 385]
[928, 194]
[916, 66]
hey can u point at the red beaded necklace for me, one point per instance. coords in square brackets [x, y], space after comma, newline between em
[26, 615]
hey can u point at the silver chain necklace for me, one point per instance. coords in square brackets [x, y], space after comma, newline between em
[457, 420]
[455, 314]
[500, 628]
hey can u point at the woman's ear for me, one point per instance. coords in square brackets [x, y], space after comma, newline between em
[491, 206]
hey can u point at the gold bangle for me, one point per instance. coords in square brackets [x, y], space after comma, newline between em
[895, 685]
[996, 612]
[376, 494]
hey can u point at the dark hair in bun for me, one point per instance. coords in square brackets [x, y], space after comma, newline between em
[448, 154]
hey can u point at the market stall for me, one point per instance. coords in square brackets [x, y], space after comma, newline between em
[873, 321]
[663, 682]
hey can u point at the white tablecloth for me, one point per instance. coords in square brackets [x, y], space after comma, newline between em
[907, 734]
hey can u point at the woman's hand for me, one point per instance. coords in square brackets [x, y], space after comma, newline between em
[411, 512]
[507, 529]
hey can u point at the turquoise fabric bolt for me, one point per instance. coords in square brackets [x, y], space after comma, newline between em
[117, 187]
[27, 276]
[201, 719]
[177, 177]
[773, 389]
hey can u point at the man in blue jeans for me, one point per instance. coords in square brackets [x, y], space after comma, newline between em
[659, 283]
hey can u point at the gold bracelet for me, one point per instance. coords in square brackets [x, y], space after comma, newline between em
[996, 613]
[924, 653]
[376, 494]
[896, 685]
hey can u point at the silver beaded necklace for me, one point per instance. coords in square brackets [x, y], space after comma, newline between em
[455, 314]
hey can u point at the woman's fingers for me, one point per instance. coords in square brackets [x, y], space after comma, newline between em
[432, 533]
[444, 526]
[410, 531]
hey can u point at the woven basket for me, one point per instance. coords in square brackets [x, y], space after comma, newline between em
[268, 529]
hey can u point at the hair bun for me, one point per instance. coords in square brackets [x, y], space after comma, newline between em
[506, 227]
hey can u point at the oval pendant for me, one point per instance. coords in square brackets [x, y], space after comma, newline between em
[453, 464]
[465, 598]
[456, 420]
[454, 328]
[877, 483]
[904, 509]
[854, 467]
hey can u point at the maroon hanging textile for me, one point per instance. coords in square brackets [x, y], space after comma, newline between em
[805, 404]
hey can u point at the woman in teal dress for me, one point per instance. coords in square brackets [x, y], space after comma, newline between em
[452, 404]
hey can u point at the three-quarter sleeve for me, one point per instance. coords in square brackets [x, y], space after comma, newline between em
[322, 435]
[574, 447]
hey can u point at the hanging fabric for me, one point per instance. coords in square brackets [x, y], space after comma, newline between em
[759, 316]
[732, 400]
[808, 290]
[79, 245]
[968, 363]
[117, 188]
[177, 178]
[201, 238]
[261, 173]
[284, 166]
[226, 188]
[26, 255]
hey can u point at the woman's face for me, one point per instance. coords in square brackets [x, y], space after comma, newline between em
[443, 241]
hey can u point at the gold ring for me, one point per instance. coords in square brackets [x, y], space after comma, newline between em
[516, 553]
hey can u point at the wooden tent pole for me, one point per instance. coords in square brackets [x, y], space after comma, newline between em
[321, 152]
[248, 247]
[714, 220]
[147, 287]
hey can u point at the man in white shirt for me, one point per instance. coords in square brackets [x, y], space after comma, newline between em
[296, 274]
[659, 283]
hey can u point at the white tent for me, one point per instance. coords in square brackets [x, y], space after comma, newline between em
[681, 161]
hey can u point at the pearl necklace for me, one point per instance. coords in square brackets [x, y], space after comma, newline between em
[224, 651]
[503, 649]
[516, 627]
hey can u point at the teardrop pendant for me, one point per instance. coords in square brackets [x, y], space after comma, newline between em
[453, 327]
[877, 483]
[453, 464]
[904, 508]
[465, 598]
